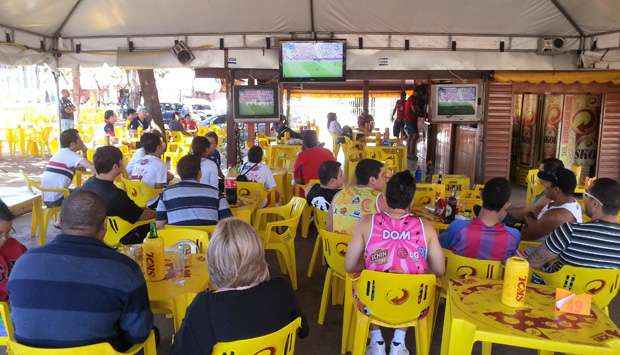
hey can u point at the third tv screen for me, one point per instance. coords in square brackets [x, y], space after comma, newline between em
[310, 60]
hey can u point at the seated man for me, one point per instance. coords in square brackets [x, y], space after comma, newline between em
[216, 157]
[594, 244]
[332, 180]
[151, 170]
[485, 237]
[59, 171]
[563, 208]
[86, 292]
[307, 164]
[108, 162]
[190, 203]
[353, 202]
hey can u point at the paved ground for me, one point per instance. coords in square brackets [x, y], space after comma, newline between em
[322, 340]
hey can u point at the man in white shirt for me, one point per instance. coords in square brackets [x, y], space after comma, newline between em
[151, 170]
[256, 171]
[59, 171]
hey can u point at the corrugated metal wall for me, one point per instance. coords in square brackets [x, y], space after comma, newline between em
[497, 131]
[609, 138]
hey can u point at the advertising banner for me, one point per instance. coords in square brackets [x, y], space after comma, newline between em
[579, 139]
[552, 114]
[529, 117]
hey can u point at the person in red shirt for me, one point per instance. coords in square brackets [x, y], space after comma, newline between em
[10, 248]
[410, 124]
[310, 158]
[188, 123]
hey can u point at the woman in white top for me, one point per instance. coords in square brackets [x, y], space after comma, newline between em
[255, 170]
[332, 124]
[559, 189]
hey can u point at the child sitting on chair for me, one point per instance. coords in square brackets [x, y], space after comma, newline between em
[10, 248]
[416, 250]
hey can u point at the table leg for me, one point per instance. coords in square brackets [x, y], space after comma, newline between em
[462, 337]
[487, 348]
[445, 334]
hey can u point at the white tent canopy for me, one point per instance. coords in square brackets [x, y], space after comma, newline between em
[104, 28]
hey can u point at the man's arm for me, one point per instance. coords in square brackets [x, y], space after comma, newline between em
[162, 214]
[552, 219]
[436, 259]
[355, 251]
[136, 321]
[540, 257]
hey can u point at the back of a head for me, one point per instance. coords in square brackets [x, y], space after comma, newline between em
[255, 154]
[566, 181]
[5, 212]
[367, 168]
[213, 136]
[236, 257]
[188, 167]
[69, 136]
[131, 112]
[105, 157]
[309, 139]
[329, 169]
[150, 142]
[108, 114]
[495, 194]
[199, 145]
[552, 164]
[607, 191]
[400, 190]
[83, 213]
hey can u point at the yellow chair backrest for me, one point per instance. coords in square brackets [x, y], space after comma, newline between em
[478, 187]
[6, 322]
[117, 228]
[96, 349]
[297, 205]
[396, 298]
[602, 284]
[252, 191]
[475, 194]
[467, 204]
[180, 303]
[320, 219]
[281, 342]
[577, 170]
[533, 186]
[335, 247]
[138, 191]
[423, 198]
[302, 190]
[172, 235]
[439, 189]
[460, 267]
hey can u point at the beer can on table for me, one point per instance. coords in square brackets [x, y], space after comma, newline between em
[515, 282]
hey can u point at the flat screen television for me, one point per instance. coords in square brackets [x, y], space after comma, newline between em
[312, 60]
[256, 102]
[454, 102]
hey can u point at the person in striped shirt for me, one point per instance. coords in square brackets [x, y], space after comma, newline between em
[485, 237]
[75, 290]
[190, 203]
[594, 244]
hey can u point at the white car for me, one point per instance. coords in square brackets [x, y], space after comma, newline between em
[200, 111]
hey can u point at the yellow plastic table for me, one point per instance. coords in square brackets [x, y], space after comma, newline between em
[474, 312]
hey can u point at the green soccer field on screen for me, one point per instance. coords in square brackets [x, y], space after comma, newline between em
[313, 69]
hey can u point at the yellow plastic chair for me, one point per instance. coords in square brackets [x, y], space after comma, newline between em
[439, 189]
[576, 169]
[46, 214]
[11, 139]
[320, 221]
[335, 247]
[306, 217]
[469, 194]
[395, 301]
[281, 342]
[138, 191]
[533, 186]
[280, 235]
[6, 322]
[467, 205]
[148, 348]
[180, 304]
[424, 198]
[602, 284]
[117, 228]
[174, 234]
[254, 191]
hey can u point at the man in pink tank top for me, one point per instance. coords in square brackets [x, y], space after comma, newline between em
[393, 240]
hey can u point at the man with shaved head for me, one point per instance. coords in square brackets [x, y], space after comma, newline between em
[76, 290]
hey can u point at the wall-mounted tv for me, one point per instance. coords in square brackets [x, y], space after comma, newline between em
[454, 102]
[313, 60]
[256, 102]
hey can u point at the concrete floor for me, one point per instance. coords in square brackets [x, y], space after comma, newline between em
[322, 339]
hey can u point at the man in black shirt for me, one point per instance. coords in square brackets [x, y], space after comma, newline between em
[66, 111]
[332, 179]
[108, 162]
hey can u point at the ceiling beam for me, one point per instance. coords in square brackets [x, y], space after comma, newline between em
[13, 28]
[67, 18]
[568, 17]
[603, 33]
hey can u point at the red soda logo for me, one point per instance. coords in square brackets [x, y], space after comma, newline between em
[521, 289]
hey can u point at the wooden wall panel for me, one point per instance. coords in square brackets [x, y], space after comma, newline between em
[497, 131]
[608, 164]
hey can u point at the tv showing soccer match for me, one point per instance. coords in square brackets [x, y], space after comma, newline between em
[256, 102]
[312, 60]
[454, 102]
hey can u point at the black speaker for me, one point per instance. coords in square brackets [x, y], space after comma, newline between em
[501, 46]
[222, 43]
[78, 48]
[360, 43]
[406, 44]
[182, 52]
[453, 45]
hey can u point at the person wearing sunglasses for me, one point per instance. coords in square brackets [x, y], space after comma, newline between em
[10, 248]
[559, 189]
[595, 244]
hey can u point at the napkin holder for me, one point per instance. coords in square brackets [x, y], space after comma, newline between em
[569, 302]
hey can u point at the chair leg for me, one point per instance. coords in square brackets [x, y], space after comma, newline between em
[361, 334]
[422, 335]
[315, 254]
[305, 222]
[292, 261]
[347, 315]
[48, 214]
[281, 263]
[445, 334]
[325, 296]
[487, 348]
[335, 290]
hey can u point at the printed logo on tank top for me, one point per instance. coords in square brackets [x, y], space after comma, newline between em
[396, 235]
[379, 256]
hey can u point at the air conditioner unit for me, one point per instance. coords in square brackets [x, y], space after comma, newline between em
[550, 45]
[182, 52]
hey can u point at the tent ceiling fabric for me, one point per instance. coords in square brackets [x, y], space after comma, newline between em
[147, 17]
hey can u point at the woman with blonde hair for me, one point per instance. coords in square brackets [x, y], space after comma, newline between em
[244, 301]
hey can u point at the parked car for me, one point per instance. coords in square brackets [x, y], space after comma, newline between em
[168, 109]
[217, 120]
[199, 109]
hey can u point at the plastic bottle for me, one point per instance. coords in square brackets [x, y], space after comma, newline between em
[230, 185]
[418, 174]
[153, 259]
